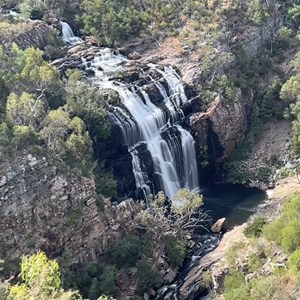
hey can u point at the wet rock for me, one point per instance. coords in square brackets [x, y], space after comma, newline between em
[217, 227]
[89, 72]
[170, 275]
[76, 49]
[134, 55]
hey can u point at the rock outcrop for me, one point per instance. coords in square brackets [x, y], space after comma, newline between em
[44, 207]
[228, 120]
[29, 34]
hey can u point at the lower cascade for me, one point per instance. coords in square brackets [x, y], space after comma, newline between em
[150, 127]
[68, 35]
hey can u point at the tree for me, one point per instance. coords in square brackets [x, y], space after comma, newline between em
[126, 252]
[167, 223]
[290, 90]
[68, 139]
[186, 210]
[26, 71]
[114, 21]
[24, 136]
[55, 130]
[25, 110]
[40, 281]
[86, 102]
[294, 13]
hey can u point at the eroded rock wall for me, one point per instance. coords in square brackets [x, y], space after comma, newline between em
[44, 207]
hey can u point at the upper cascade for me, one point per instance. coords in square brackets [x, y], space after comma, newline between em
[147, 125]
[68, 34]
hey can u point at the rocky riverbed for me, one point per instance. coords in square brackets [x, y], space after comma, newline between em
[214, 263]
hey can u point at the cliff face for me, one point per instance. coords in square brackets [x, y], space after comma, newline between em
[45, 208]
[228, 120]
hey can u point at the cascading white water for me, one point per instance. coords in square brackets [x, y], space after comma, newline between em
[68, 35]
[171, 147]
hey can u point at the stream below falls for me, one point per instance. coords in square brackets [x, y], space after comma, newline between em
[234, 202]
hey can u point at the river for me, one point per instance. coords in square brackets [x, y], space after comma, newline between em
[234, 202]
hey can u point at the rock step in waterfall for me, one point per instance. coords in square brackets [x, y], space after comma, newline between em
[146, 125]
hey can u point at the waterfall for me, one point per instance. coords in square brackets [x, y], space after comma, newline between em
[68, 35]
[145, 125]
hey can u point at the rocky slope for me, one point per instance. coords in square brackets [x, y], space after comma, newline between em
[216, 263]
[44, 207]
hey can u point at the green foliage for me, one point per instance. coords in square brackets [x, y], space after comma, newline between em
[262, 288]
[125, 252]
[232, 252]
[26, 71]
[273, 231]
[176, 251]
[294, 263]
[290, 90]
[286, 230]
[114, 21]
[4, 92]
[73, 216]
[284, 37]
[267, 98]
[94, 280]
[33, 9]
[24, 136]
[257, 11]
[291, 236]
[254, 262]
[106, 185]
[236, 287]
[25, 110]
[40, 281]
[294, 13]
[254, 229]
[86, 102]
[67, 138]
[185, 201]
[147, 277]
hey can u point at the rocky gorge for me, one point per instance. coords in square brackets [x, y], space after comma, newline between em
[61, 213]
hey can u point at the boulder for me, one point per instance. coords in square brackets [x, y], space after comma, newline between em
[134, 55]
[217, 227]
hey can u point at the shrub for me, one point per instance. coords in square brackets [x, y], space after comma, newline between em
[254, 262]
[176, 251]
[33, 9]
[231, 253]
[273, 231]
[73, 216]
[294, 263]
[291, 236]
[126, 252]
[262, 288]
[147, 277]
[236, 287]
[254, 229]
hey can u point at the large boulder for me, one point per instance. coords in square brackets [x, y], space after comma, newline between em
[218, 226]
